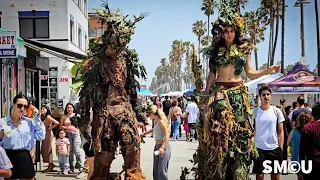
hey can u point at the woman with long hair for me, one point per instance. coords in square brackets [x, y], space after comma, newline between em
[46, 145]
[295, 135]
[162, 149]
[18, 133]
[73, 135]
[175, 119]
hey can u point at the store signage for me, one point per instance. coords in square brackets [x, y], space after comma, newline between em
[64, 79]
[8, 44]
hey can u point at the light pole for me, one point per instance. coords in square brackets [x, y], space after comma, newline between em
[318, 38]
[300, 3]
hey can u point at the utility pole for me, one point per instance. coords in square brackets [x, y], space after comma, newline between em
[318, 33]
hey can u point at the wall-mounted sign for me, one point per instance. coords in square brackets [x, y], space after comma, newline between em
[8, 44]
[64, 79]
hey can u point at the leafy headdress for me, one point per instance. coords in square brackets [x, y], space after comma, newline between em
[228, 16]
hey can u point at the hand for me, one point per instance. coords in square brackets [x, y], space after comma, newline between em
[2, 132]
[161, 150]
[67, 154]
[57, 154]
[273, 69]
[142, 135]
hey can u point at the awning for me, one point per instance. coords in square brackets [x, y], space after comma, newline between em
[67, 55]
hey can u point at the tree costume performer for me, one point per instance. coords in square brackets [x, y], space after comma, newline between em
[109, 88]
[225, 134]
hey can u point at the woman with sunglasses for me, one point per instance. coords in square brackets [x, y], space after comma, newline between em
[18, 133]
[162, 149]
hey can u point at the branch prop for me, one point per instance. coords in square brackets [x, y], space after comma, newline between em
[196, 69]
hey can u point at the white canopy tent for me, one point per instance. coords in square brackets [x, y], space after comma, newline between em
[253, 85]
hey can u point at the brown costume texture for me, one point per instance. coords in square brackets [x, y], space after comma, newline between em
[108, 88]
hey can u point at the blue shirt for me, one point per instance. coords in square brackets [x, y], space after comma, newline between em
[22, 138]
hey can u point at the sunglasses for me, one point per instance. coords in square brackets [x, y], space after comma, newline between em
[21, 105]
[266, 94]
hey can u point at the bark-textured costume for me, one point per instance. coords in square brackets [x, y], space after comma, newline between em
[225, 147]
[109, 88]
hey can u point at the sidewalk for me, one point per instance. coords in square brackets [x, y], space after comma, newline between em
[182, 152]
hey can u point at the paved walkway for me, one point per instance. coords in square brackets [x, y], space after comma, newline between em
[182, 151]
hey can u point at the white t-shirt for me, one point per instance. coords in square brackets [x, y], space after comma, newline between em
[266, 136]
[193, 111]
[5, 162]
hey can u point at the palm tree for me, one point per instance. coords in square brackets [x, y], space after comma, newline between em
[255, 29]
[208, 7]
[198, 28]
[241, 4]
[175, 56]
[282, 34]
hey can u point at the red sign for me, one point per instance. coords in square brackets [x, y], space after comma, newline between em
[7, 40]
[64, 79]
[44, 77]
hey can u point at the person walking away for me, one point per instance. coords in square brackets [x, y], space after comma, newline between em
[310, 144]
[63, 152]
[5, 165]
[301, 109]
[46, 145]
[73, 135]
[18, 133]
[162, 149]
[166, 105]
[294, 138]
[294, 107]
[269, 135]
[175, 118]
[192, 114]
[287, 128]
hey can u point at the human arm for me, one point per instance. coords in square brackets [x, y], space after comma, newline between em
[57, 152]
[5, 164]
[251, 73]
[55, 122]
[39, 129]
[165, 131]
[280, 135]
[68, 149]
[148, 132]
[210, 80]
[289, 138]
[61, 125]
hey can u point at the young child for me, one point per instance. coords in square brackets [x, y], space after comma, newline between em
[5, 165]
[63, 150]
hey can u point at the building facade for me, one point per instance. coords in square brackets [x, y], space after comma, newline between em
[56, 33]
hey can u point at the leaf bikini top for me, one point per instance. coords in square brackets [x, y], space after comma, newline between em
[237, 58]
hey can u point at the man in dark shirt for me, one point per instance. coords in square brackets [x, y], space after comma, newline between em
[300, 110]
[310, 144]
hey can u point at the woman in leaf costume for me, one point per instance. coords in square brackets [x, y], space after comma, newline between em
[225, 146]
[109, 88]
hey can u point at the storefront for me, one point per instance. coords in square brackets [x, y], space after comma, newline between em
[12, 54]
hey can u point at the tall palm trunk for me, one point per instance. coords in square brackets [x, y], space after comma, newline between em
[318, 33]
[277, 32]
[271, 36]
[282, 34]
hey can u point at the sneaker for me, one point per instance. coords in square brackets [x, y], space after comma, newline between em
[82, 174]
[66, 172]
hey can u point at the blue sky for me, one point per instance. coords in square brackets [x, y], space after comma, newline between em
[172, 19]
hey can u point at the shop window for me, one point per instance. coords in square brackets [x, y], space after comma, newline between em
[71, 31]
[80, 38]
[34, 27]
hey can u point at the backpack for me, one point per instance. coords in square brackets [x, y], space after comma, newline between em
[255, 112]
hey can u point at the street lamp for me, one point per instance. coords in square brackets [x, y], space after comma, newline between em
[300, 3]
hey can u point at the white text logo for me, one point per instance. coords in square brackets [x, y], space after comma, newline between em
[292, 167]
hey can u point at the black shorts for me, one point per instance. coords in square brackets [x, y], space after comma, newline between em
[88, 149]
[272, 155]
[22, 164]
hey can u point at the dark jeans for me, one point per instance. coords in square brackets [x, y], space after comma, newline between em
[193, 128]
